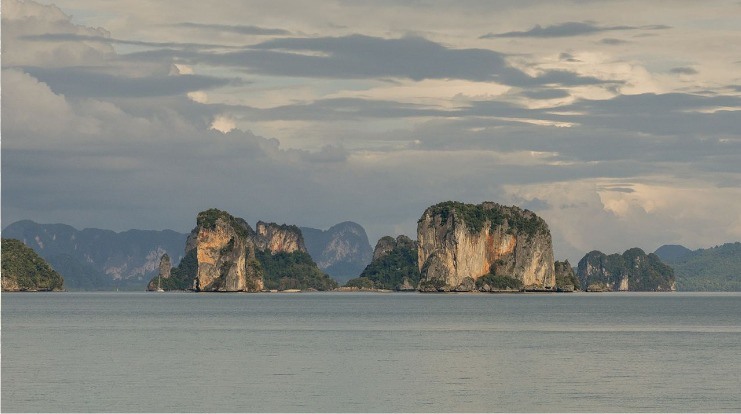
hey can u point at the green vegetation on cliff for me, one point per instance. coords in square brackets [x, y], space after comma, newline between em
[294, 270]
[476, 215]
[565, 275]
[390, 268]
[714, 269]
[598, 271]
[181, 277]
[498, 282]
[23, 269]
[207, 219]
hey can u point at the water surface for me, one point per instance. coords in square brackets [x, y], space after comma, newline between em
[308, 352]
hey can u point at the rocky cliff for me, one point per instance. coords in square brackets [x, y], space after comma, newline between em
[459, 243]
[394, 266]
[279, 238]
[343, 251]
[95, 259]
[24, 270]
[631, 271]
[566, 279]
[225, 249]
[224, 254]
[165, 271]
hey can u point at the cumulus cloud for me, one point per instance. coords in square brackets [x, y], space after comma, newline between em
[223, 123]
[23, 19]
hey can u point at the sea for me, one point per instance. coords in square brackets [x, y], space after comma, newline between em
[371, 352]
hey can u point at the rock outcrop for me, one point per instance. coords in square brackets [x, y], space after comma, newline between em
[631, 271]
[279, 238]
[394, 266]
[224, 254]
[566, 280]
[24, 270]
[459, 241]
[164, 267]
[165, 271]
[343, 251]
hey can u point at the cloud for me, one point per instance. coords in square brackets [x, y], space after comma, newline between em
[223, 124]
[23, 19]
[88, 83]
[684, 70]
[612, 41]
[568, 29]
[73, 37]
[589, 136]
[546, 93]
[367, 57]
[327, 154]
[240, 29]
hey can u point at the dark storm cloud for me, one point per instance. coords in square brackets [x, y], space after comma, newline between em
[86, 83]
[239, 29]
[568, 29]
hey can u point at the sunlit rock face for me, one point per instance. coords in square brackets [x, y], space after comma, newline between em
[226, 254]
[459, 241]
[279, 238]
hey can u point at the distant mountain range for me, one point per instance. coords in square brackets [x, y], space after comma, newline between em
[95, 259]
[715, 269]
[343, 251]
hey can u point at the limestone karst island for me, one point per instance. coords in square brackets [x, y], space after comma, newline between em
[459, 247]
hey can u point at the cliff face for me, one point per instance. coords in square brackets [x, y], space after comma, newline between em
[279, 238]
[458, 243]
[343, 251]
[566, 279]
[226, 254]
[24, 270]
[631, 271]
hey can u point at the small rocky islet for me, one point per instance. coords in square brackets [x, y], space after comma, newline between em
[23, 270]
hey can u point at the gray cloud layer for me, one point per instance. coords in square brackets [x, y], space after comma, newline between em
[389, 124]
[568, 29]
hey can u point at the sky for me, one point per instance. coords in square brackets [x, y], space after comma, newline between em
[618, 122]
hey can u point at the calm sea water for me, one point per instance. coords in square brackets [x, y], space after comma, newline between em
[187, 352]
